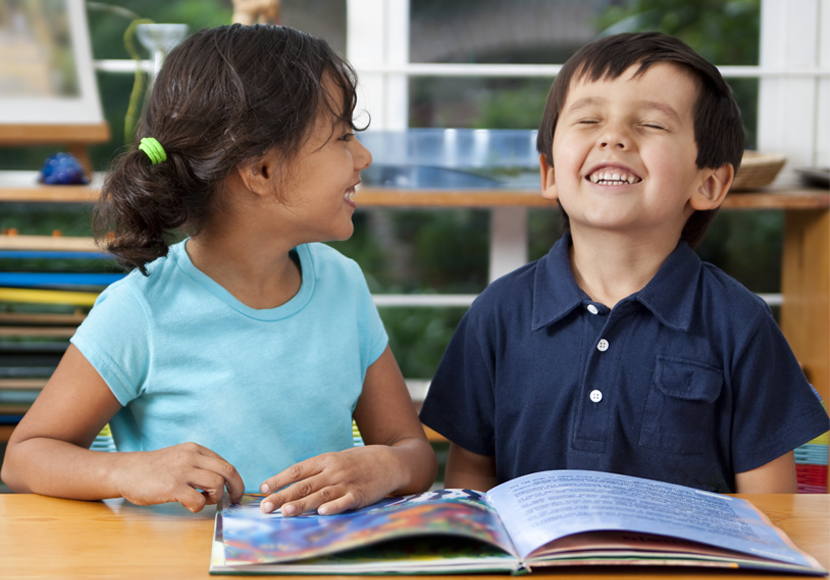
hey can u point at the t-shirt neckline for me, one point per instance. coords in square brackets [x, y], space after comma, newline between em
[296, 304]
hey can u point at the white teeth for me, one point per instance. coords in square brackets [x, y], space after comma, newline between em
[349, 195]
[612, 178]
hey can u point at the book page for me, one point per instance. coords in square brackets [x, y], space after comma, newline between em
[252, 537]
[542, 507]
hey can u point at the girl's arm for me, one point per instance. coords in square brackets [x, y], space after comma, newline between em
[48, 452]
[397, 458]
[777, 476]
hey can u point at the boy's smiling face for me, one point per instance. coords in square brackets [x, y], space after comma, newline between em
[624, 154]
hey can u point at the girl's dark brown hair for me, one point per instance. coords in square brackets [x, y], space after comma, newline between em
[224, 96]
[719, 134]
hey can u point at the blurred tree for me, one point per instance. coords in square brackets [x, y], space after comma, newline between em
[722, 31]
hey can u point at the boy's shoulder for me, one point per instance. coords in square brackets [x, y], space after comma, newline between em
[510, 290]
[726, 292]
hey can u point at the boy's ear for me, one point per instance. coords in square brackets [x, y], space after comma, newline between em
[548, 176]
[259, 175]
[711, 192]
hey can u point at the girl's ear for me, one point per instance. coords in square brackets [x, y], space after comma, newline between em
[548, 176]
[259, 175]
[711, 192]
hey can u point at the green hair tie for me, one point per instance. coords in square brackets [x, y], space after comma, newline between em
[153, 149]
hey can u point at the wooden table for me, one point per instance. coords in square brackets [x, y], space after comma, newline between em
[44, 537]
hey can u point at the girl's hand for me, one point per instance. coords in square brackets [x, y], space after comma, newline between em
[189, 474]
[335, 482]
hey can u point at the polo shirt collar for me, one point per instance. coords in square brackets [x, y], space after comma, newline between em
[555, 292]
[670, 295]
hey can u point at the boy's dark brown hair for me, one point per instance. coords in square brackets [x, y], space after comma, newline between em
[224, 96]
[719, 134]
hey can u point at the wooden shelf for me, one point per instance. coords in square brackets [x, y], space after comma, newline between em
[47, 134]
[51, 193]
[790, 198]
[48, 243]
[774, 198]
[22, 186]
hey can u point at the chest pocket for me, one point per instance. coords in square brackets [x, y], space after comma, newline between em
[680, 415]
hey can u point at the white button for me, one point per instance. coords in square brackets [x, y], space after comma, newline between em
[593, 309]
[595, 396]
[602, 345]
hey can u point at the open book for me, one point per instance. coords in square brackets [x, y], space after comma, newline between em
[552, 518]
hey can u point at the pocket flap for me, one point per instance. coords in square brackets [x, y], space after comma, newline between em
[687, 379]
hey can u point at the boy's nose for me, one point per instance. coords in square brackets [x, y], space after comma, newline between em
[613, 138]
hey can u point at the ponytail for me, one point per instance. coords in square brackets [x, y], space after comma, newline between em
[142, 205]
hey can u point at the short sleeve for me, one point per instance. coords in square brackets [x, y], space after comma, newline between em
[775, 409]
[460, 400]
[115, 339]
[373, 337]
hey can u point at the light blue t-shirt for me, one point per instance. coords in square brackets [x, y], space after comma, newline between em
[262, 388]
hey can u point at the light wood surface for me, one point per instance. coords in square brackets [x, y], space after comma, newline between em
[805, 285]
[52, 538]
[772, 198]
[48, 243]
[46, 134]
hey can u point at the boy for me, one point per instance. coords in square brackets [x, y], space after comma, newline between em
[620, 350]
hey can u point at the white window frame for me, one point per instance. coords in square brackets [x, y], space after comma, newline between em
[793, 116]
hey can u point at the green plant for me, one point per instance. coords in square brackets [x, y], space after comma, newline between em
[129, 45]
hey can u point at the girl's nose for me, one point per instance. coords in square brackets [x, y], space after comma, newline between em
[362, 156]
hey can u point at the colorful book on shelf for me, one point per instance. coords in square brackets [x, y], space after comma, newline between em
[547, 519]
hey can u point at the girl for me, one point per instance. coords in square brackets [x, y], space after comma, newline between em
[237, 358]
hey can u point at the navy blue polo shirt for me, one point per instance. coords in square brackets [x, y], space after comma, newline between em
[687, 381]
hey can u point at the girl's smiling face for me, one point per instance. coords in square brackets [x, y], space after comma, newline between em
[624, 152]
[319, 184]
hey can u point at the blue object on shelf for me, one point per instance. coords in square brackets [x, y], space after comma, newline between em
[452, 159]
[63, 169]
[40, 279]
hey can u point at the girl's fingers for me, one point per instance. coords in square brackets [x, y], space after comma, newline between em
[190, 498]
[211, 484]
[231, 479]
[308, 503]
[295, 473]
[339, 505]
[293, 495]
